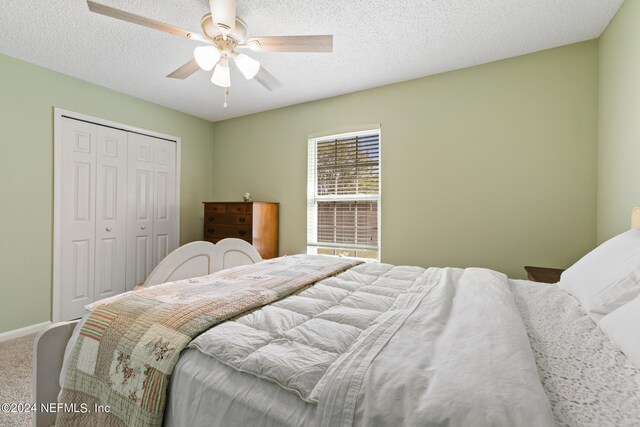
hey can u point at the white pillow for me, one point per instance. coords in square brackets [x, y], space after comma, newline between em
[607, 277]
[622, 326]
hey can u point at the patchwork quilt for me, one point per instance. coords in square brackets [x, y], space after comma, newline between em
[128, 346]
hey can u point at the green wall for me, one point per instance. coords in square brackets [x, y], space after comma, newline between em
[27, 96]
[492, 166]
[619, 121]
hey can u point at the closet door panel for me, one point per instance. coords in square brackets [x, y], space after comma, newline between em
[116, 211]
[78, 216]
[166, 209]
[140, 213]
[111, 212]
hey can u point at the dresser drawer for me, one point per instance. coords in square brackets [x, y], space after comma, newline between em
[223, 230]
[239, 208]
[215, 218]
[215, 207]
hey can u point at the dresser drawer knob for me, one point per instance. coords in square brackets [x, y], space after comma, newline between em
[242, 232]
[211, 218]
[210, 231]
[242, 219]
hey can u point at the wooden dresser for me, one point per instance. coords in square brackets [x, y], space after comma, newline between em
[255, 222]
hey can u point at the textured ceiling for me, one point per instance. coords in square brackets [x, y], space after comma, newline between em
[376, 42]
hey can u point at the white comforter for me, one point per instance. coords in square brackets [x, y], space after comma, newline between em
[384, 345]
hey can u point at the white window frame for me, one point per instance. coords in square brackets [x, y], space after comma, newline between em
[312, 188]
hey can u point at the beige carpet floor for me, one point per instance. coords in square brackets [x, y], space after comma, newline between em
[15, 379]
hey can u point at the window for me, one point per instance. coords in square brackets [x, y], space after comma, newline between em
[343, 193]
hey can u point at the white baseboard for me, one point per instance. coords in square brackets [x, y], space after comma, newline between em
[27, 330]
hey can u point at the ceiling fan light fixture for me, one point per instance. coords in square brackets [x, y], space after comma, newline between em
[223, 13]
[206, 57]
[223, 32]
[224, 29]
[221, 74]
[248, 66]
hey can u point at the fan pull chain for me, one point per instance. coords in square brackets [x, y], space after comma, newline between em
[226, 93]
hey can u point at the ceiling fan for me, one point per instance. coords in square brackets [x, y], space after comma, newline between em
[224, 35]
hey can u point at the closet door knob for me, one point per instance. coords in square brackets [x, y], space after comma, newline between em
[143, 227]
[108, 228]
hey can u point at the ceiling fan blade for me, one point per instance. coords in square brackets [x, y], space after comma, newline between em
[294, 43]
[267, 80]
[141, 20]
[185, 71]
[223, 13]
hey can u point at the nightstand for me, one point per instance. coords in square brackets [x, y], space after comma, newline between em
[543, 274]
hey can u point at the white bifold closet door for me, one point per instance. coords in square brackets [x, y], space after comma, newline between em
[152, 214]
[118, 211]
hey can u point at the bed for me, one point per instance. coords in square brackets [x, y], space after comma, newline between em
[376, 344]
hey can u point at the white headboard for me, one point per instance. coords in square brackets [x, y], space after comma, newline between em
[201, 258]
[635, 217]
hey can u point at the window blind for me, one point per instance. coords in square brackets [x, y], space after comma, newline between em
[344, 195]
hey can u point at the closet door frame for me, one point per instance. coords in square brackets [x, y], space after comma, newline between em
[58, 115]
